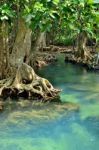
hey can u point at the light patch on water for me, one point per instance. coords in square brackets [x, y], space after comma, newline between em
[92, 96]
[91, 110]
[79, 140]
[36, 144]
[81, 132]
[83, 136]
[69, 98]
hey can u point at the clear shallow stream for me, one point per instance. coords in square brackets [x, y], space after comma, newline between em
[46, 127]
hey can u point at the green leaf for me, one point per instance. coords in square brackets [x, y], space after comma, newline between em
[55, 2]
[4, 18]
[90, 1]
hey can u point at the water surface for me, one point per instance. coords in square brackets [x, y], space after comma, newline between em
[49, 127]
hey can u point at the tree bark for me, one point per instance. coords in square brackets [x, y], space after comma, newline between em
[40, 42]
[22, 45]
[82, 53]
[4, 50]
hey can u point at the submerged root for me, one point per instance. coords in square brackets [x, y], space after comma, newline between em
[28, 84]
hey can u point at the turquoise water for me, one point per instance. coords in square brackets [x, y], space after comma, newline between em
[51, 126]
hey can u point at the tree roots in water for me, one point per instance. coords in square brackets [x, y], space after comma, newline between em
[28, 84]
[89, 60]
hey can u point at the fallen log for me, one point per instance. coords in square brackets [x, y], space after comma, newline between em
[28, 84]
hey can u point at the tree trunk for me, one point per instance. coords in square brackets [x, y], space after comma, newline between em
[81, 45]
[22, 46]
[4, 50]
[41, 42]
[23, 81]
[82, 52]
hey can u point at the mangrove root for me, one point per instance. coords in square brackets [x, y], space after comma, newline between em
[28, 84]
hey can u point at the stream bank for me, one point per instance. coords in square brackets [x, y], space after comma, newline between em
[49, 55]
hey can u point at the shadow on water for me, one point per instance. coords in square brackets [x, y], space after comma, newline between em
[51, 126]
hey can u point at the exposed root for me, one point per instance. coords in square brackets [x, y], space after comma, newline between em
[38, 60]
[28, 84]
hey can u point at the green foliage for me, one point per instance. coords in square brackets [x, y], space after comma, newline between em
[79, 16]
[63, 40]
[41, 14]
[6, 12]
[68, 16]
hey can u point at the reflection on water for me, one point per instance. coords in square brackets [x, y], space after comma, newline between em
[54, 126]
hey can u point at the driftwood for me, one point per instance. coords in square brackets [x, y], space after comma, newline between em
[27, 84]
